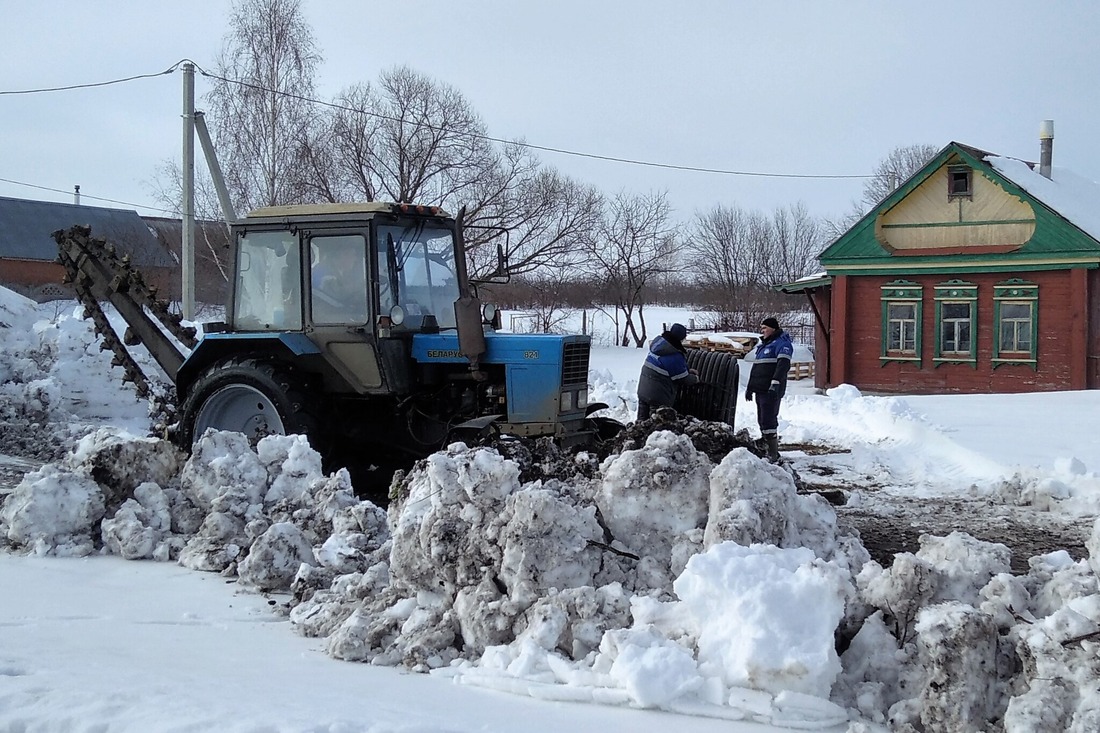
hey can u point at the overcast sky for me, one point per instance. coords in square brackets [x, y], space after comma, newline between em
[799, 88]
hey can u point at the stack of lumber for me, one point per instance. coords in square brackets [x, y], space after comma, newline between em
[739, 345]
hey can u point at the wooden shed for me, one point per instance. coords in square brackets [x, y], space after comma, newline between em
[978, 274]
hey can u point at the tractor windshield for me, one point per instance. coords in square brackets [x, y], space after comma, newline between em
[416, 271]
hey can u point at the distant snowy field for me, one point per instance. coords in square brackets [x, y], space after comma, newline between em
[714, 603]
[606, 326]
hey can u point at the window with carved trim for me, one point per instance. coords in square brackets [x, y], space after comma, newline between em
[1015, 322]
[901, 321]
[1016, 307]
[955, 327]
[956, 316]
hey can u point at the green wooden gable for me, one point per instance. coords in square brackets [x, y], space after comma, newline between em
[1056, 243]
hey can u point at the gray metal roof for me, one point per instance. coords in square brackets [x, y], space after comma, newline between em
[26, 226]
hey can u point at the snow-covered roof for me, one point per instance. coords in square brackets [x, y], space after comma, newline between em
[808, 282]
[1075, 198]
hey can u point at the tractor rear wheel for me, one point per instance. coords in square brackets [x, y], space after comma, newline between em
[249, 396]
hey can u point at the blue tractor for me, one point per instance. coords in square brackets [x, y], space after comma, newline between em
[358, 326]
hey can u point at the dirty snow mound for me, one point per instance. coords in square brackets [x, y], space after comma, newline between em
[654, 578]
[53, 510]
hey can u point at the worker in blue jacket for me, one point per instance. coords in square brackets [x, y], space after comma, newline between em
[768, 381]
[664, 371]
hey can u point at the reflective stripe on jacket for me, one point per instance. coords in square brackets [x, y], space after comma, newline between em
[772, 361]
[665, 368]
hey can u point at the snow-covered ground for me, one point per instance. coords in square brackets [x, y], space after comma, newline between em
[654, 588]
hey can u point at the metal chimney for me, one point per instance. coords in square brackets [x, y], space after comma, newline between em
[76, 195]
[1046, 146]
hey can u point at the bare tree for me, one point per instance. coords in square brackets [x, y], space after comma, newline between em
[796, 241]
[550, 220]
[833, 227]
[637, 243]
[894, 170]
[729, 248]
[410, 138]
[259, 119]
[740, 255]
[167, 189]
[546, 300]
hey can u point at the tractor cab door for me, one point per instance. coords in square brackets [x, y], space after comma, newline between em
[341, 306]
[267, 293]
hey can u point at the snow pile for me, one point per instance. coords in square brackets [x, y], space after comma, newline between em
[596, 589]
[657, 579]
[1070, 487]
[139, 498]
[883, 433]
[473, 572]
[60, 520]
[621, 399]
[890, 440]
[681, 572]
[51, 372]
[958, 643]
[720, 590]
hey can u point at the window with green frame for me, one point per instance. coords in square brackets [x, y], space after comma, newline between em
[901, 321]
[956, 314]
[1015, 314]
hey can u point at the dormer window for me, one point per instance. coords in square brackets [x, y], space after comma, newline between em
[959, 178]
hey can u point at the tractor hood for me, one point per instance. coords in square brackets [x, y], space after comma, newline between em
[546, 374]
[538, 349]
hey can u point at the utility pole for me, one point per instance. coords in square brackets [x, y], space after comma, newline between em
[187, 254]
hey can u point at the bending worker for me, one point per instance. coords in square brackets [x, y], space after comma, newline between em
[664, 371]
[768, 381]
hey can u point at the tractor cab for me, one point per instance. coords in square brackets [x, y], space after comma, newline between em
[357, 280]
[371, 266]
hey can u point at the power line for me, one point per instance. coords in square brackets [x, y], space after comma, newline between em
[169, 70]
[561, 151]
[87, 196]
[477, 136]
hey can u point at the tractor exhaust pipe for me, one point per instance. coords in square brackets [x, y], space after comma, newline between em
[471, 333]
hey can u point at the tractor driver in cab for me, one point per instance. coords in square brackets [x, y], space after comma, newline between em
[339, 276]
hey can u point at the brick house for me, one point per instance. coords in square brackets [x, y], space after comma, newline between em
[978, 274]
[28, 253]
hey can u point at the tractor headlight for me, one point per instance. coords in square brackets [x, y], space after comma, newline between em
[582, 398]
[566, 402]
[397, 315]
